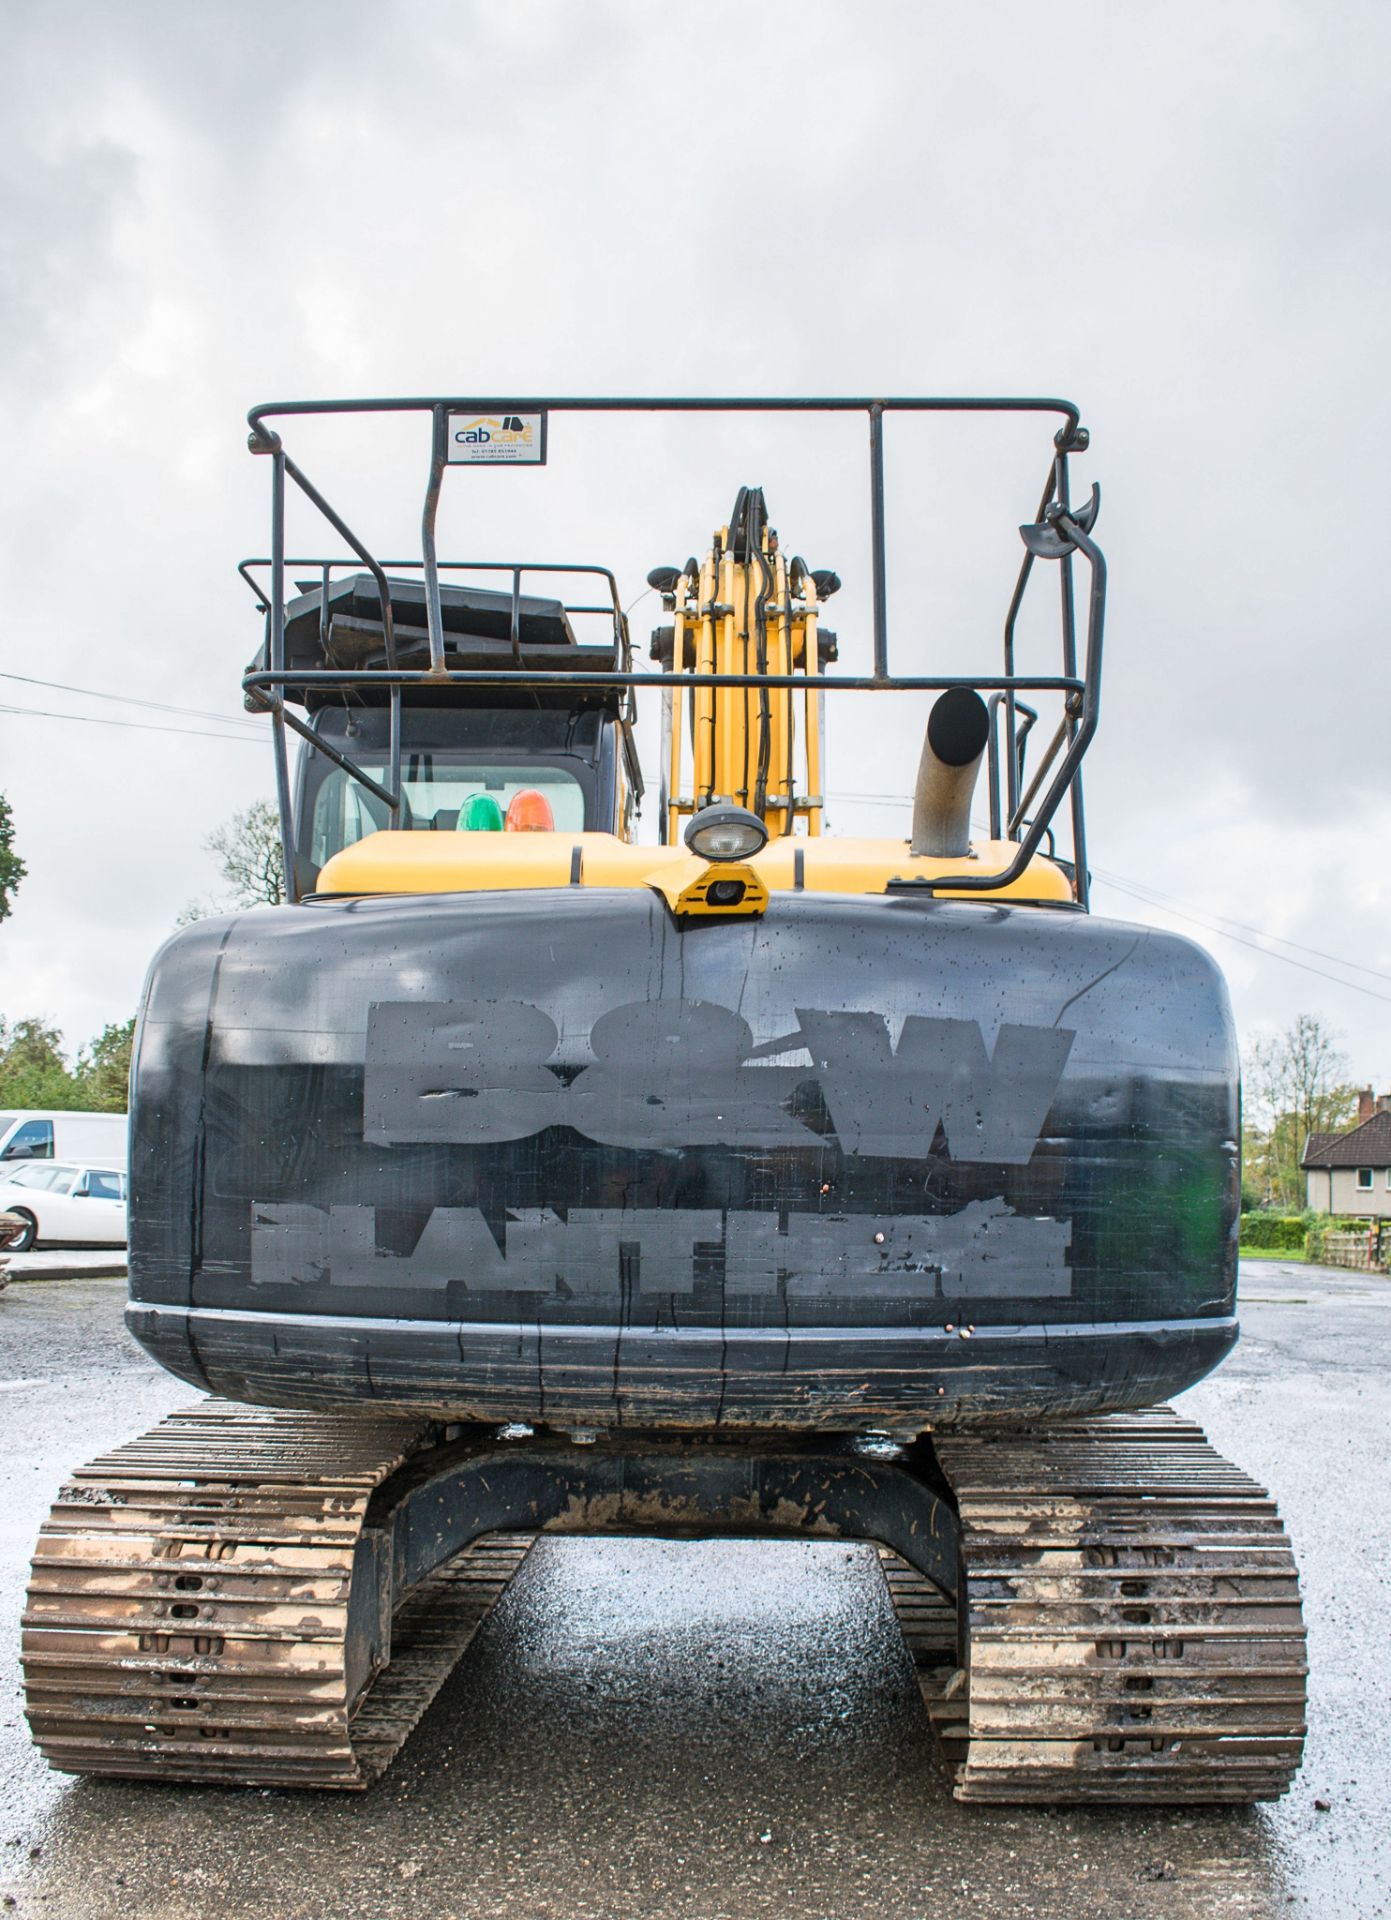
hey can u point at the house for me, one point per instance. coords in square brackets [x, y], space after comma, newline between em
[1350, 1173]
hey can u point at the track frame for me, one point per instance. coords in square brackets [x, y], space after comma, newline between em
[1101, 1610]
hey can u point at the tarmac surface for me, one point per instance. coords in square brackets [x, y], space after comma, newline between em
[717, 1730]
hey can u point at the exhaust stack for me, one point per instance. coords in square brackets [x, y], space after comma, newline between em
[957, 729]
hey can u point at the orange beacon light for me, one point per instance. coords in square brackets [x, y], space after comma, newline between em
[529, 812]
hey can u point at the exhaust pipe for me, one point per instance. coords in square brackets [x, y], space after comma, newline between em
[957, 729]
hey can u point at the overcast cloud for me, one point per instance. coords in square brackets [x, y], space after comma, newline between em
[1176, 216]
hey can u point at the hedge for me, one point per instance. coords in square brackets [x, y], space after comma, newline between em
[1283, 1232]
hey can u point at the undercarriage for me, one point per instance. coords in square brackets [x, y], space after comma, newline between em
[1099, 1609]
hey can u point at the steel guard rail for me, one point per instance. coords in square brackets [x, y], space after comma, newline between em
[1057, 533]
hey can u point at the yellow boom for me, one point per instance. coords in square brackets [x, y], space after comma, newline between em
[745, 610]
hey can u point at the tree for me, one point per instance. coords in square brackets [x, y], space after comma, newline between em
[33, 1072]
[12, 868]
[103, 1068]
[1296, 1085]
[249, 852]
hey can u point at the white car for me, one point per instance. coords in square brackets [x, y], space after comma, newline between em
[64, 1204]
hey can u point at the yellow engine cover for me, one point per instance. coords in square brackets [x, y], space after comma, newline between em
[407, 862]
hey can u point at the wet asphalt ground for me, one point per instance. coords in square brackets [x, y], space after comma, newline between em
[726, 1729]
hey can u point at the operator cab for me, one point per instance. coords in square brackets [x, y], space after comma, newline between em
[465, 769]
[474, 756]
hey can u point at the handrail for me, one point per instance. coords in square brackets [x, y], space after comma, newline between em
[1058, 533]
[588, 403]
[331, 677]
[1081, 739]
[337, 562]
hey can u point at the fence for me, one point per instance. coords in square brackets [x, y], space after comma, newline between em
[1367, 1250]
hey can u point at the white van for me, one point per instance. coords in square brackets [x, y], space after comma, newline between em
[45, 1134]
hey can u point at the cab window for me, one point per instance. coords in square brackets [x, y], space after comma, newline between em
[436, 786]
[32, 1141]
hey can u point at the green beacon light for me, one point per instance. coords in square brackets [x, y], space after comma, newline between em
[480, 813]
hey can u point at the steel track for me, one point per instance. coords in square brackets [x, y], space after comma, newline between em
[1132, 1615]
[1130, 1604]
[188, 1611]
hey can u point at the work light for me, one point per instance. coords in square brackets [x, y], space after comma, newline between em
[726, 833]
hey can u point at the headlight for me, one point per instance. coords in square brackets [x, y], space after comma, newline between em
[726, 833]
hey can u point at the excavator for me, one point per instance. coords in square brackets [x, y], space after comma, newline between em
[519, 1174]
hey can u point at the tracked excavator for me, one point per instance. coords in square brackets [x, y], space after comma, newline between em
[517, 1175]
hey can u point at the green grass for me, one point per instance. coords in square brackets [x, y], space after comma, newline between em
[1295, 1254]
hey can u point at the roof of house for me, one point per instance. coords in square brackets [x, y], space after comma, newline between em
[1366, 1146]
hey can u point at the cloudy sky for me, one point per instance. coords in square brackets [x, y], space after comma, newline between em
[1176, 216]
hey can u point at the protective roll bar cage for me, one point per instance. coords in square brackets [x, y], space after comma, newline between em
[1058, 532]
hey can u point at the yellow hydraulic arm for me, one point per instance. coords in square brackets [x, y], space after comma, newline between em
[745, 610]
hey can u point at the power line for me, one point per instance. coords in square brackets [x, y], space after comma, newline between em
[141, 726]
[1163, 900]
[1210, 926]
[1220, 925]
[133, 700]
